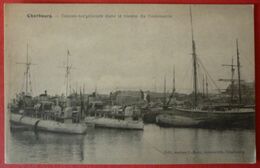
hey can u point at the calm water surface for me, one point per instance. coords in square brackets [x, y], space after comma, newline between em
[154, 145]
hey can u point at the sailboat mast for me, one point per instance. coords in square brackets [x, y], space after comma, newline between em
[67, 74]
[238, 73]
[96, 88]
[164, 91]
[194, 56]
[155, 88]
[203, 87]
[173, 80]
[232, 80]
[27, 71]
[27, 74]
[68, 67]
[207, 89]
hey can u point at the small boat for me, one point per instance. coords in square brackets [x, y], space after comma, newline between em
[176, 121]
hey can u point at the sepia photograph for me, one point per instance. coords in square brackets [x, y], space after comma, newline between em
[129, 84]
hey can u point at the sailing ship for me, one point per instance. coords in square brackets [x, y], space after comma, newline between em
[46, 113]
[210, 115]
[166, 118]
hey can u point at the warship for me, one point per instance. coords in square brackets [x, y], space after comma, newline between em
[46, 113]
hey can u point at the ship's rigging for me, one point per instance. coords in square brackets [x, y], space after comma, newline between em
[232, 80]
[194, 57]
[27, 74]
[197, 66]
[68, 68]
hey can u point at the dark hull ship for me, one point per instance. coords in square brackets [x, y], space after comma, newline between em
[237, 117]
[212, 115]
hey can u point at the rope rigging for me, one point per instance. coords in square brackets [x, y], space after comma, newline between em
[207, 74]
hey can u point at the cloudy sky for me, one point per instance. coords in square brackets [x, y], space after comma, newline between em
[125, 52]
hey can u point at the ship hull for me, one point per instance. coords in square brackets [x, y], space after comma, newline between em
[234, 117]
[168, 120]
[48, 125]
[149, 115]
[115, 123]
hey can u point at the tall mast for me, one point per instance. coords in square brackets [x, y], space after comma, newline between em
[194, 56]
[155, 88]
[203, 86]
[27, 71]
[96, 88]
[166, 104]
[207, 89]
[68, 68]
[232, 80]
[238, 73]
[164, 91]
[173, 80]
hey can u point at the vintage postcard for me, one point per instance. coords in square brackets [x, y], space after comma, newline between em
[129, 84]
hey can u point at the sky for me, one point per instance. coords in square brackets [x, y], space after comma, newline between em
[126, 52]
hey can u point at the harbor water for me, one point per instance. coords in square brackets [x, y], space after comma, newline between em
[153, 145]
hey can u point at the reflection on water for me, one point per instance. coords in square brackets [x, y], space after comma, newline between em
[29, 147]
[153, 145]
